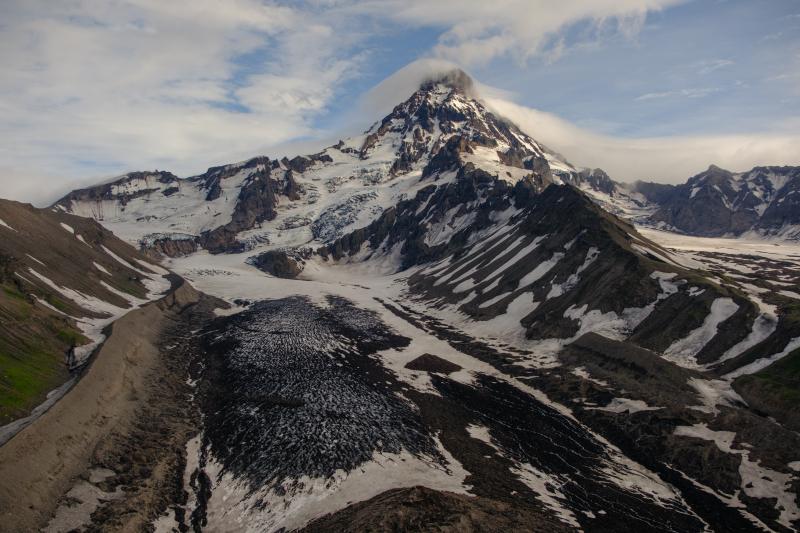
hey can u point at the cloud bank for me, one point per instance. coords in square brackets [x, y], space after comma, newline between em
[664, 159]
[475, 32]
[92, 89]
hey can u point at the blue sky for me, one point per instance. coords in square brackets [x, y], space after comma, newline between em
[654, 89]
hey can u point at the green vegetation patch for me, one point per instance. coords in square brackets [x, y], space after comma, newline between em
[33, 343]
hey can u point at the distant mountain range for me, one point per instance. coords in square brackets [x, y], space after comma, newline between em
[211, 210]
[762, 202]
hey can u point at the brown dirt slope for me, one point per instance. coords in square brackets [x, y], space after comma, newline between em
[44, 460]
[424, 509]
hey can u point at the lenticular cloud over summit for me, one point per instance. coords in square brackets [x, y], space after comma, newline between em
[668, 158]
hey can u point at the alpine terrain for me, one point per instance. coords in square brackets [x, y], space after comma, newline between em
[440, 325]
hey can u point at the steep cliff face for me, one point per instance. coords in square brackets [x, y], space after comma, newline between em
[160, 245]
[255, 204]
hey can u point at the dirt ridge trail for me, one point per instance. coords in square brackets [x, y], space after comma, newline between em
[44, 461]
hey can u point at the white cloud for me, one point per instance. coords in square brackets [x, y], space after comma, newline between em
[380, 100]
[92, 88]
[477, 31]
[706, 67]
[698, 92]
[667, 159]
[145, 83]
[772, 36]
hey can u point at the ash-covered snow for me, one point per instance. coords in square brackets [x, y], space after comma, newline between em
[540, 270]
[335, 219]
[581, 372]
[152, 238]
[299, 395]
[558, 289]
[763, 326]
[547, 488]
[362, 283]
[714, 392]
[138, 206]
[36, 260]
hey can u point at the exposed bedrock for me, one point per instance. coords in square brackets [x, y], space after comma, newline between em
[158, 246]
[278, 263]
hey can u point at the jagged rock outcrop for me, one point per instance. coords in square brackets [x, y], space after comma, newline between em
[278, 263]
[131, 186]
[160, 245]
[719, 202]
[255, 204]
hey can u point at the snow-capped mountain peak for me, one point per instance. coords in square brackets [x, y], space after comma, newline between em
[446, 112]
[438, 129]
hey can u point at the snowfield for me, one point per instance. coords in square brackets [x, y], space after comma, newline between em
[365, 284]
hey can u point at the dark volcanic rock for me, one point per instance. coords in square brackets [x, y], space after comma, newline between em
[406, 222]
[701, 206]
[641, 372]
[658, 193]
[277, 263]
[256, 203]
[158, 246]
[214, 188]
[718, 202]
[775, 390]
[785, 207]
[432, 363]
[105, 191]
[599, 181]
[298, 164]
[447, 158]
